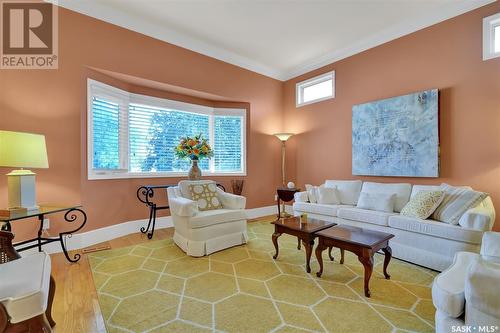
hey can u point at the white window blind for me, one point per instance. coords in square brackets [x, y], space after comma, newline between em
[131, 135]
[227, 143]
[154, 134]
[106, 134]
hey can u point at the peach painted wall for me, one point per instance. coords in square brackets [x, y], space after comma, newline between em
[53, 102]
[447, 56]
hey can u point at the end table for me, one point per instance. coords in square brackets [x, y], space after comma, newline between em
[285, 195]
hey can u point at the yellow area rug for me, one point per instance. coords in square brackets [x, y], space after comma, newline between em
[155, 287]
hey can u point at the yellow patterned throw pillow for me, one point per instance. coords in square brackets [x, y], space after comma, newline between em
[206, 196]
[423, 204]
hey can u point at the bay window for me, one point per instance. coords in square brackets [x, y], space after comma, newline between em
[132, 135]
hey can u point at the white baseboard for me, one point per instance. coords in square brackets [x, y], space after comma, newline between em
[89, 238]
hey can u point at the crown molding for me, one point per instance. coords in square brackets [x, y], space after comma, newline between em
[387, 35]
[130, 22]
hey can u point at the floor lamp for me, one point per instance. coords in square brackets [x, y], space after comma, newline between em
[283, 138]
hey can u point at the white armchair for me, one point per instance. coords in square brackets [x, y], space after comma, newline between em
[26, 294]
[468, 292]
[199, 233]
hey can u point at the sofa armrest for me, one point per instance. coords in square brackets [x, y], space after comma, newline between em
[448, 287]
[183, 207]
[478, 218]
[231, 201]
[490, 246]
[301, 197]
[481, 289]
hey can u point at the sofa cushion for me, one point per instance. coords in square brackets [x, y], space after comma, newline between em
[402, 191]
[321, 209]
[206, 196]
[456, 202]
[417, 188]
[312, 193]
[365, 215]
[435, 228]
[184, 186]
[348, 189]
[423, 204]
[328, 195]
[382, 202]
[217, 216]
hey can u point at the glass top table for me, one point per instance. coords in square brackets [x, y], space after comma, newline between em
[43, 209]
[72, 213]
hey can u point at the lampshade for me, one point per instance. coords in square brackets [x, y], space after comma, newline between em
[22, 150]
[283, 136]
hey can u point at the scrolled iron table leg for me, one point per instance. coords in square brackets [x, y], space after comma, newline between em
[150, 234]
[70, 216]
[144, 230]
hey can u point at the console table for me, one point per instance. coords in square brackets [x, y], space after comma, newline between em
[146, 194]
[71, 214]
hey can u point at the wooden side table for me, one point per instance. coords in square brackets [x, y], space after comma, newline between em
[285, 195]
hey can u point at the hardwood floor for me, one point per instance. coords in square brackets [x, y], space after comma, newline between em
[76, 308]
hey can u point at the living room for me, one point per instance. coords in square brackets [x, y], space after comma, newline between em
[136, 102]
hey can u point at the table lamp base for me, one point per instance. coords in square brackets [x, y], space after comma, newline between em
[21, 184]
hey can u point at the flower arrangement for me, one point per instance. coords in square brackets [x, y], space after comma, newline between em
[195, 148]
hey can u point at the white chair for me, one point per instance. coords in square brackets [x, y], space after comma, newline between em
[199, 233]
[26, 294]
[468, 292]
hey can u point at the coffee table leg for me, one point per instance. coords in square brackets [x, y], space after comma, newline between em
[368, 265]
[330, 253]
[308, 246]
[342, 256]
[275, 242]
[388, 255]
[319, 257]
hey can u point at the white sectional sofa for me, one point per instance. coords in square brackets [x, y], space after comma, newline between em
[428, 243]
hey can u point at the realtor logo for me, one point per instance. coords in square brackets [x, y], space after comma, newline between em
[29, 35]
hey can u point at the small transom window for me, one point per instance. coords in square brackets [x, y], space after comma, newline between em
[491, 37]
[316, 89]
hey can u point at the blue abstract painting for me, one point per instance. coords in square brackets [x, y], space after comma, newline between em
[397, 136]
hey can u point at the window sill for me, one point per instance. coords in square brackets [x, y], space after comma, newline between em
[298, 105]
[134, 175]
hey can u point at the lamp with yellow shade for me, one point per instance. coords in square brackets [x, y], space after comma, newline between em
[22, 150]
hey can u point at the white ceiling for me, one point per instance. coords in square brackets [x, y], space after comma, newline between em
[278, 38]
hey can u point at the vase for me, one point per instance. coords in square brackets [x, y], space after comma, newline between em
[194, 172]
[237, 185]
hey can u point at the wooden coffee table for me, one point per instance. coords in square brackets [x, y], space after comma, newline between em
[362, 242]
[303, 228]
